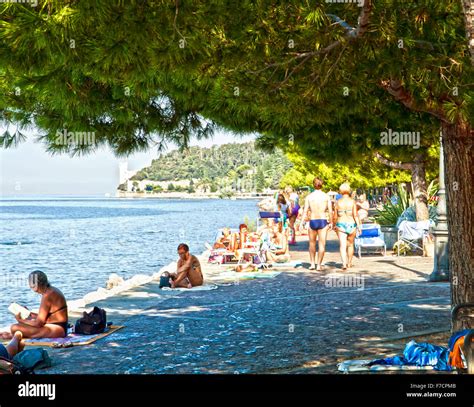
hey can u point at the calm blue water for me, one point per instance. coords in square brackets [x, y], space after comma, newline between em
[79, 242]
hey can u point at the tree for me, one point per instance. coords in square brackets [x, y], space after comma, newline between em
[326, 77]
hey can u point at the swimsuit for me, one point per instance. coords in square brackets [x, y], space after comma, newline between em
[317, 224]
[296, 204]
[346, 227]
[295, 210]
[63, 325]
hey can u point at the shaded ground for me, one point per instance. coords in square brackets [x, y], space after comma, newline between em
[296, 322]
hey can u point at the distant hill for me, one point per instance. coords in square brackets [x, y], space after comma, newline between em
[237, 167]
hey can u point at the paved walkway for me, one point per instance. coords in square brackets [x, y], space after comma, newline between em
[300, 321]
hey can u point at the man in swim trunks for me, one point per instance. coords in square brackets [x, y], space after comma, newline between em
[188, 273]
[318, 202]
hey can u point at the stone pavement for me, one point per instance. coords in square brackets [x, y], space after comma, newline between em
[301, 321]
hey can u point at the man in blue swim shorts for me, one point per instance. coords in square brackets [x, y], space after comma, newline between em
[319, 204]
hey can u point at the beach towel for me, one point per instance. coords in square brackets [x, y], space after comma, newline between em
[419, 354]
[72, 339]
[206, 287]
[349, 366]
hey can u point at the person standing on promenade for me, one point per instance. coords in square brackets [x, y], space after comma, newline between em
[362, 207]
[294, 200]
[347, 224]
[319, 204]
[188, 273]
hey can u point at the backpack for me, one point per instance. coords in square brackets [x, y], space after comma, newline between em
[32, 359]
[165, 281]
[92, 323]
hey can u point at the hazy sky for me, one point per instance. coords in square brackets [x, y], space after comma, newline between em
[29, 170]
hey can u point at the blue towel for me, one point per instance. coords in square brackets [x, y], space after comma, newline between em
[419, 354]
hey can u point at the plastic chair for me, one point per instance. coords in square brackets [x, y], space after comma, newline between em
[370, 237]
[411, 233]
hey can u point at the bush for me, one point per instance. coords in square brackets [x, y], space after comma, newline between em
[390, 212]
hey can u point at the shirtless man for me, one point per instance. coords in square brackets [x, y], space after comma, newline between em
[188, 273]
[319, 204]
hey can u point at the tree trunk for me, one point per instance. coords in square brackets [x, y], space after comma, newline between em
[459, 175]
[418, 176]
[468, 8]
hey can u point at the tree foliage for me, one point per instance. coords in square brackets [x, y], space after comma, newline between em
[230, 165]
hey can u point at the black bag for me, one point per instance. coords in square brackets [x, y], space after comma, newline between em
[92, 323]
[165, 281]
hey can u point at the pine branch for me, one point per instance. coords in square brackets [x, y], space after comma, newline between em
[400, 94]
[393, 164]
[362, 25]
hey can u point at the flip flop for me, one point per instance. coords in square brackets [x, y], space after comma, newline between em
[312, 268]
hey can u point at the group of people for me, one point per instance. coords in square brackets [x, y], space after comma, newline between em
[321, 212]
[272, 240]
[51, 321]
[341, 215]
[269, 241]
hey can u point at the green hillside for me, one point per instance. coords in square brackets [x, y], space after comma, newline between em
[230, 166]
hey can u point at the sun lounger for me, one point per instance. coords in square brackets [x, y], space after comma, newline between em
[371, 238]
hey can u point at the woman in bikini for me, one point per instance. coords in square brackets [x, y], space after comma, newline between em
[347, 224]
[51, 321]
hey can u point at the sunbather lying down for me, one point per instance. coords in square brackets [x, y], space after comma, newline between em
[51, 321]
[15, 346]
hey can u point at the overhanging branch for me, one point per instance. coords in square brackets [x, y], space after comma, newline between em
[393, 164]
[400, 94]
[362, 25]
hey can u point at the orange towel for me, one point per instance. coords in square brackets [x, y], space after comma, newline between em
[455, 359]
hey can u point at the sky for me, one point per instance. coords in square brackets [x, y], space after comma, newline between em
[29, 170]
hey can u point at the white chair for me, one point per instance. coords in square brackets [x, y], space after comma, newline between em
[370, 238]
[412, 233]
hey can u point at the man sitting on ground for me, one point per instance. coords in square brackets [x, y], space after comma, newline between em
[188, 273]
